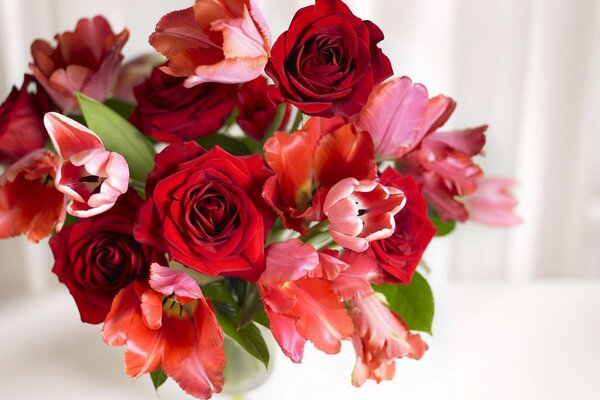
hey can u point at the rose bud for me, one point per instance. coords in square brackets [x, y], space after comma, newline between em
[204, 208]
[256, 110]
[360, 212]
[169, 112]
[29, 202]
[98, 256]
[225, 41]
[328, 62]
[92, 177]
[21, 127]
[86, 60]
[399, 255]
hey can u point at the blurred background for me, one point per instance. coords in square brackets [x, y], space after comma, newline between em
[518, 310]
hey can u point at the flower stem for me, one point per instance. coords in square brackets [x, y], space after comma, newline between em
[297, 121]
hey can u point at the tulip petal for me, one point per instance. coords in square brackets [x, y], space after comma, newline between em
[168, 281]
[69, 137]
[285, 333]
[288, 261]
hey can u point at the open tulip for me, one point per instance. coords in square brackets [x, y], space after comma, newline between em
[86, 60]
[29, 202]
[90, 176]
[360, 212]
[168, 324]
[225, 41]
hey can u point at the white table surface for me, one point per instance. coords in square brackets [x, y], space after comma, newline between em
[492, 341]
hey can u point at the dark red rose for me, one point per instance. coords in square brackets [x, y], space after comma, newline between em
[399, 255]
[256, 109]
[328, 61]
[85, 60]
[169, 112]
[21, 126]
[97, 256]
[204, 208]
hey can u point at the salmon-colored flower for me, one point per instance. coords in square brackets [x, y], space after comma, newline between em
[301, 302]
[168, 324]
[309, 162]
[224, 41]
[90, 176]
[86, 60]
[493, 203]
[29, 202]
[360, 212]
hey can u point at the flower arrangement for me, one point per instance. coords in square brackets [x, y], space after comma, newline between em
[172, 231]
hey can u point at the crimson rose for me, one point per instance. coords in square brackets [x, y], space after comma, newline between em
[21, 126]
[399, 255]
[169, 112]
[98, 256]
[328, 61]
[204, 208]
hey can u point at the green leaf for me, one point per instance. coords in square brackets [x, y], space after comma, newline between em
[252, 306]
[158, 378]
[443, 227]
[119, 135]
[249, 337]
[123, 108]
[221, 298]
[235, 146]
[414, 302]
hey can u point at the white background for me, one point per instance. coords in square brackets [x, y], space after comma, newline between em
[518, 309]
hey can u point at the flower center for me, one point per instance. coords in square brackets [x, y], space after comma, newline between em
[172, 307]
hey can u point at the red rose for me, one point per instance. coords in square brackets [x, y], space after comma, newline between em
[21, 126]
[204, 208]
[328, 61]
[256, 110]
[399, 255]
[86, 60]
[169, 112]
[97, 256]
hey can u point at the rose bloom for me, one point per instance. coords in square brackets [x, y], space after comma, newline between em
[256, 110]
[328, 62]
[399, 254]
[98, 256]
[86, 60]
[169, 112]
[204, 208]
[21, 127]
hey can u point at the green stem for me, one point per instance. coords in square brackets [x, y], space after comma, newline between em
[297, 121]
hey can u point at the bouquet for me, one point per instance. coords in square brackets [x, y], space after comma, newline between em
[188, 196]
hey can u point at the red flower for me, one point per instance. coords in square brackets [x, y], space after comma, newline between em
[167, 323]
[399, 255]
[169, 112]
[21, 127]
[98, 256]
[328, 61]
[85, 60]
[29, 202]
[204, 208]
[309, 162]
[257, 110]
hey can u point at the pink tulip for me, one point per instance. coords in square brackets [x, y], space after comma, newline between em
[29, 202]
[493, 203]
[85, 60]
[90, 176]
[360, 212]
[168, 324]
[225, 41]
[300, 302]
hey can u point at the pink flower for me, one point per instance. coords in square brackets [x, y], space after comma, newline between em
[360, 212]
[85, 60]
[300, 300]
[493, 203]
[168, 324]
[380, 337]
[132, 74]
[90, 176]
[400, 114]
[224, 41]
[29, 202]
